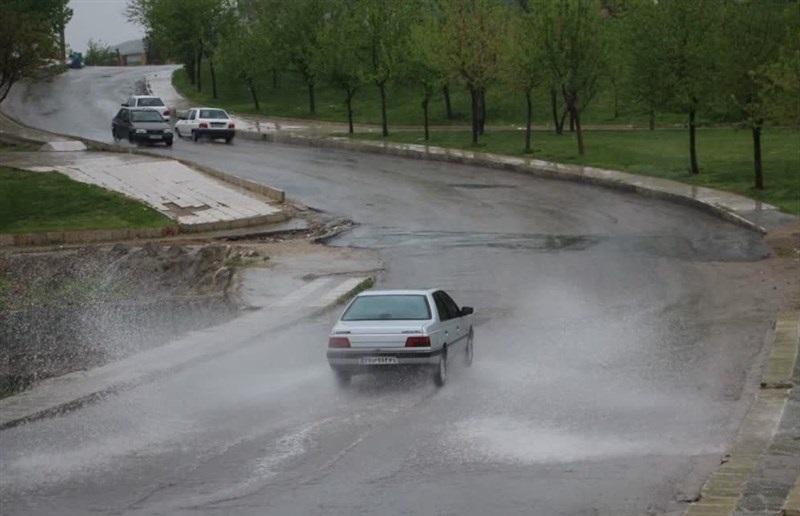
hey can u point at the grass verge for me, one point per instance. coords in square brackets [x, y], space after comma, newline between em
[724, 155]
[361, 287]
[33, 202]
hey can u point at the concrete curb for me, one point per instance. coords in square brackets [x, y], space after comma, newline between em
[85, 236]
[723, 489]
[132, 376]
[549, 170]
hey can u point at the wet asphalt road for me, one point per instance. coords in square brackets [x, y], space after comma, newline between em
[617, 344]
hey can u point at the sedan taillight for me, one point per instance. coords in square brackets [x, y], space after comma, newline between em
[166, 113]
[338, 342]
[203, 125]
[418, 342]
[231, 126]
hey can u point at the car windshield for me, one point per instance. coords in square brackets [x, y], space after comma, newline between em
[403, 307]
[151, 102]
[214, 113]
[146, 116]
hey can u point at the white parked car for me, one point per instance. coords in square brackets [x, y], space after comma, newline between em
[148, 102]
[387, 329]
[202, 122]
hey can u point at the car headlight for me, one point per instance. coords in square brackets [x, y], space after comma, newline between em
[141, 131]
[167, 131]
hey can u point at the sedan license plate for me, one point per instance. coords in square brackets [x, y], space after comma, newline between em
[217, 124]
[377, 360]
[155, 136]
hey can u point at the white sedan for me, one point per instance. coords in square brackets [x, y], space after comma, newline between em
[201, 122]
[387, 329]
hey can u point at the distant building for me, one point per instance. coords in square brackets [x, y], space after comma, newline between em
[130, 53]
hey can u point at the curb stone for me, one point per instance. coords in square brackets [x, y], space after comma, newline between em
[723, 490]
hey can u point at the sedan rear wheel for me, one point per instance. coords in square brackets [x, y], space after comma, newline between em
[130, 137]
[195, 135]
[178, 132]
[114, 134]
[440, 376]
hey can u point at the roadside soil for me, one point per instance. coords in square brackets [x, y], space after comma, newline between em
[71, 309]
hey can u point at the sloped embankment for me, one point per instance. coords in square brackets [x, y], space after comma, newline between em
[70, 310]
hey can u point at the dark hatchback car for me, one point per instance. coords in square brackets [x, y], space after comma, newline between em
[141, 126]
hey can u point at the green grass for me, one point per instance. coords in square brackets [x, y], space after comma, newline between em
[33, 202]
[724, 155]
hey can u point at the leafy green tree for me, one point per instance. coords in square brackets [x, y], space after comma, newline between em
[782, 83]
[645, 76]
[754, 32]
[29, 38]
[523, 63]
[338, 60]
[384, 32]
[470, 48]
[680, 50]
[190, 30]
[249, 51]
[298, 25]
[573, 50]
[99, 54]
[420, 67]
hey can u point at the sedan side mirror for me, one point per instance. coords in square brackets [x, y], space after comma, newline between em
[125, 104]
[466, 310]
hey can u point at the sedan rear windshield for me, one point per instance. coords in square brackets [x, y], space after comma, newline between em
[213, 113]
[151, 102]
[146, 116]
[402, 307]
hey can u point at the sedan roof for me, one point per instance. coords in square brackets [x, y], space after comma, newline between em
[398, 292]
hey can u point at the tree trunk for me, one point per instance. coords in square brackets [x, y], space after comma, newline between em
[213, 78]
[448, 108]
[560, 128]
[384, 122]
[576, 116]
[349, 102]
[528, 149]
[274, 78]
[252, 89]
[571, 120]
[425, 117]
[757, 155]
[473, 93]
[62, 43]
[554, 105]
[652, 122]
[190, 70]
[616, 103]
[312, 99]
[482, 111]
[692, 142]
[198, 69]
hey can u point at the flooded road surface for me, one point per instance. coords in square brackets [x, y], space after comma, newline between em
[616, 347]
